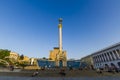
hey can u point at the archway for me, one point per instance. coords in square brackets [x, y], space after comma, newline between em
[60, 63]
[106, 66]
[118, 64]
[113, 66]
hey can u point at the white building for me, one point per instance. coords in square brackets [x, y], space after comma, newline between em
[14, 55]
[107, 57]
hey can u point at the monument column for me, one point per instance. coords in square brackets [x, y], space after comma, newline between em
[61, 61]
[60, 34]
[59, 54]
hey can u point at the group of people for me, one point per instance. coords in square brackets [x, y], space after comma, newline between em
[62, 73]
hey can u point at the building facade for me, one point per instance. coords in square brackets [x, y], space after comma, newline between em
[88, 60]
[14, 55]
[26, 58]
[108, 57]
[54, 55]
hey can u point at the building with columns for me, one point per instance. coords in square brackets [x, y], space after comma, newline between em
[108, 57]
[88, 60]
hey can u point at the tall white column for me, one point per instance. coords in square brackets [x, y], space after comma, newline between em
[60, 39]
[100, 58]
[118, 51]
[60, 34]
[107, 57]
[117, 54]
[110, 55]
[96, 59]
[104, 56]
[114, 55]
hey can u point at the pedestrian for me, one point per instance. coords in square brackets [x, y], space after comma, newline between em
[35, 73]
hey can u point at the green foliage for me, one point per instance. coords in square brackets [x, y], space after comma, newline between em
[44, 57]
[2, 64]
[50, 58]
[21, 57]
[4, 53]
[22, 64]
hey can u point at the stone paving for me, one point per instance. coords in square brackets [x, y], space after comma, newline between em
[8, 70]
[59, 78]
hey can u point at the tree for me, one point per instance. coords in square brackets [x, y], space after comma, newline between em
[44, 58]
[50, 58]
[23, 64]
[21, 57]
[4, 53]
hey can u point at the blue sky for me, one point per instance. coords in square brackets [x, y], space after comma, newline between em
[30, 27]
